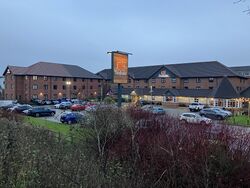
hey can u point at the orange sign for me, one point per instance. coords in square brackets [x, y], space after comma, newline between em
[120, 68]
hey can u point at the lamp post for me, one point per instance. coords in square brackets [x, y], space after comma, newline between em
[68, 83]
[151, 92]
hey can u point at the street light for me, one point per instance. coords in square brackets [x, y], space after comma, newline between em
[151, 92]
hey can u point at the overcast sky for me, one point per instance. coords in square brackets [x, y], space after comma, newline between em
[155, 31]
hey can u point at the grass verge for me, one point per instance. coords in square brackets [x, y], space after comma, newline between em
[239, 120]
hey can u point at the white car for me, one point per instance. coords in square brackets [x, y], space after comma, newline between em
[194, 118]
[63, 105]
[195, 106]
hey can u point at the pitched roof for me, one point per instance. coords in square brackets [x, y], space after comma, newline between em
[184, 70]
[201, 69]
[245, 93]
[53, 69]
[225, 90]
[240, 68]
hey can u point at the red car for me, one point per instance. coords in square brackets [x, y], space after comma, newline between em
[77, 107]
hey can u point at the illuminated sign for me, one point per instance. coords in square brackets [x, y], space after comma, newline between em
[163, 74]
[120, 68]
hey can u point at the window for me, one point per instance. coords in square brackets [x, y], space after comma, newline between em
[145, 81]
[211, 87]
[163, 80]
[99, 81]
[174, 87]
[146, 87]
[153, 80]
[137, 86]
[129, 80]
[55, 96]
[35, 87]
[64, 79]
[45, 78]
[186, 87]
[12, 77]
[99, 85]
[54, 78]
[196, 100]
[74, 87]
[45, 87]
[162, 87]
[198, 87]
[55, 87]
[26, 77]
[64, 87]
[74, 79]
[186, 80]
[91, 80]
[198, 80]
[210, 79]
[91, 87]
[173, 80]
[11, 86]
[34, 77]
[137, 81]
[83, 87]
[129, 86]
[83, 80]
[35, 96]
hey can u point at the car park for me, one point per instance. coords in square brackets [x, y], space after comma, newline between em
[194, 118]
[71, 117]
[213, 114]
[37, 112]
[196, 106]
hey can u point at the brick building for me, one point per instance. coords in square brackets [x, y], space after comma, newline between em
[183, 83]
[45, 80]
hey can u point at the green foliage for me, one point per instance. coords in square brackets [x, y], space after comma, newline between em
[109, 100]
[239, 120]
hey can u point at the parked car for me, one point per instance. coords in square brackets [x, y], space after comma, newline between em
[224, 111]
[63, 105]
[71, 117]
[213, 114]
[196, 106]
[194, 118]
[37, 112]
[77, 107]
[5, 104]
[158, 110]
[20, 108]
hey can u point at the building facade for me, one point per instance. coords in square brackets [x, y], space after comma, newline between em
[183, 83]
[45, 80]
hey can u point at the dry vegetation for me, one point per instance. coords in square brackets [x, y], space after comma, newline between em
[123, 149]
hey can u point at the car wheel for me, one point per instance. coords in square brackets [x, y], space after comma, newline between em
[52, 113]
[37, 114]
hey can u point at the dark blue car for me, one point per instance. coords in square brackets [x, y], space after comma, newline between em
[71, 117]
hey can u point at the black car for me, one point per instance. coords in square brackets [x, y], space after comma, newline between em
[37, 112]
[213, 114]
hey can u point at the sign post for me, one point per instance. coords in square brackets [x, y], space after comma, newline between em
[119, 62]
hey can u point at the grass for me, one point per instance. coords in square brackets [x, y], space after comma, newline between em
[53, 126]
[68, 131]
[240, 120]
